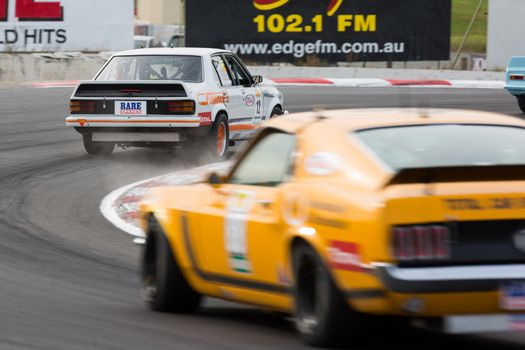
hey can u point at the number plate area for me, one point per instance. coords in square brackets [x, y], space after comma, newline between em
[130, 108]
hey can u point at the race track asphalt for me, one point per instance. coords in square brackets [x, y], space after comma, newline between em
[69, 280]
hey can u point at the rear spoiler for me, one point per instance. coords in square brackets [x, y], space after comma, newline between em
[91, 88]
[477, 173]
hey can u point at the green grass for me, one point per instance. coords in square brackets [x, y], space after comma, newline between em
[462, 12]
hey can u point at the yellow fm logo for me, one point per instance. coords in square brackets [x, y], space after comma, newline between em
[266, 5]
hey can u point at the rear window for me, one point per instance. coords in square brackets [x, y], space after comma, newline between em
[445, 145]
[162, 67]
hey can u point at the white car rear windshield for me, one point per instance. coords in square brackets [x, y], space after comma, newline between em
[162, 67]
[446, 145]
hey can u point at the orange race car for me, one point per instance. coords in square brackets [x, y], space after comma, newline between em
[336, 216]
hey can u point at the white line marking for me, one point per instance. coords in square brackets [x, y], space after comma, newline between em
[108, 208]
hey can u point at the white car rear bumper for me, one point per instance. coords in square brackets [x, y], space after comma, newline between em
[104, 121]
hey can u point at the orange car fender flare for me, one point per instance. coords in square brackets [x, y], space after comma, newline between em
[307, 235]
[173, 227]
[310, 236]
[173, 235]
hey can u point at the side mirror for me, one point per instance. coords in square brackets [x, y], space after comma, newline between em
[257, 79]
[215, 179]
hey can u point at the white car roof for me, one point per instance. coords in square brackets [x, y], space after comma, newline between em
[193, 51]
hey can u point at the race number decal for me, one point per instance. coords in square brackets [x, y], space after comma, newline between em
[258, 117]
[235, 230]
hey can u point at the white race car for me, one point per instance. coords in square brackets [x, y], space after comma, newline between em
[204, 98]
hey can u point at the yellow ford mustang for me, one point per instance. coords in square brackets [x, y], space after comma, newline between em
[338, 216]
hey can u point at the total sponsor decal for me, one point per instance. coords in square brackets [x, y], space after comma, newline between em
[345, 256]
[205, 118]
[493, 203]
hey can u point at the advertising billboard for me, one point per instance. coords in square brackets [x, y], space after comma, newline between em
[66, 25]
[332, 30]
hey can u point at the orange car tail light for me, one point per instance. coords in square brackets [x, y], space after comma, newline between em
[517, 77]
[81, 106]
[429, 242]
[178, 107]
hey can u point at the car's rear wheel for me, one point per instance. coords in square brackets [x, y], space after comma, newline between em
[97, 148]
[521, 103]
[219, 137]
[165, 288]
[322, 315]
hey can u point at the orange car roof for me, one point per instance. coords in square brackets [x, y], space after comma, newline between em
[356, 119]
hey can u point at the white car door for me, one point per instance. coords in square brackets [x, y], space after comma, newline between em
[243, 99]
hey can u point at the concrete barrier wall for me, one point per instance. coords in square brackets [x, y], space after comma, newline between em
[41, 67]
[76, 66]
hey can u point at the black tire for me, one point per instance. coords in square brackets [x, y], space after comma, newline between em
[97, 148]
[521, 103]
[219, 138]
[276, 111]
[323, 318]
[165, 288]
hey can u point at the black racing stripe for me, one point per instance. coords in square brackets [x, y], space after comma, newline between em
[267, 287]
[240, 120]
[187, 244]
[365, 293]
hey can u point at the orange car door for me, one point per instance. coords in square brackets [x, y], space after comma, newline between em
[241, 233]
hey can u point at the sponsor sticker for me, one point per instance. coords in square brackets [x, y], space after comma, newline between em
[345, 256]
[238, 209]
[512, 296]
[322, 163]
[130, 107]
[205, 118]
[212, 98]
[517, 322]
[283, 276]
[249, 100]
